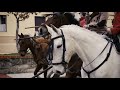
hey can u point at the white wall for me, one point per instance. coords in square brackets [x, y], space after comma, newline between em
[7, 42]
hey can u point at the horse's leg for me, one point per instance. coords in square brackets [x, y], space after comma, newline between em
[79, 74]
[74, 67]
[49, 74]
[70, 74]
[45, 73]
[39, 66]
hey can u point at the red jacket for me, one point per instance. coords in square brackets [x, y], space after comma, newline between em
[82, 21]
[116, 24]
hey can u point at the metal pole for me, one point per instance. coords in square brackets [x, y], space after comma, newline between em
[32, 27]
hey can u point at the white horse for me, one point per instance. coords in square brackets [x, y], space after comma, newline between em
[90, 47]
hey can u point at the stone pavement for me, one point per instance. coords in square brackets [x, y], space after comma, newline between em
[22, 75]
[19, 75]
[4, 76]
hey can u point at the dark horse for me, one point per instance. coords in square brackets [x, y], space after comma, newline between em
[58, 20]
[26, 42]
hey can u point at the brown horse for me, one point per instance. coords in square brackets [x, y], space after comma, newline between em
[62, 19]
[26, 42]
[58, 20]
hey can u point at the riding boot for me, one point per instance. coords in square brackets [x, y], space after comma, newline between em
[116, 42]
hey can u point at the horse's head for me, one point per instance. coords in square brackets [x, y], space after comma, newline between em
[54, 19]
[23, 43]
[57, 50]
[57, 19]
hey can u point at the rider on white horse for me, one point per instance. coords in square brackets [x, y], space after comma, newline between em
[97, 21]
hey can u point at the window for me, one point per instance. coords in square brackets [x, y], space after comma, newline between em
[3, 23]
[38, 21]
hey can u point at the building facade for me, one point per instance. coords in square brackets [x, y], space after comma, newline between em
[8, 29]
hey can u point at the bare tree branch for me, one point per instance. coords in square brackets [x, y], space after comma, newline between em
[20, 16]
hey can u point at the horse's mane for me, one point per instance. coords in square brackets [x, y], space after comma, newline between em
[83, 30]
[71, 18]
[27, 35]
[68, 16]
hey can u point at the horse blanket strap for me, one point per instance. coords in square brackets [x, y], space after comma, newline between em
[89, 72]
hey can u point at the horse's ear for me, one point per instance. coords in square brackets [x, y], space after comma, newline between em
[22, 35]
[19, 35]
[34, 34]
[54, 28]
[46, 15]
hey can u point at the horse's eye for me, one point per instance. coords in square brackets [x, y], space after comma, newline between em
[59, 46]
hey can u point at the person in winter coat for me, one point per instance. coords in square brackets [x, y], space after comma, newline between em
[83, 21]
[97, 21]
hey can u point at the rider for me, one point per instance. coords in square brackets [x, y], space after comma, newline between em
[97, 21]
[115, 30]
[82, 20]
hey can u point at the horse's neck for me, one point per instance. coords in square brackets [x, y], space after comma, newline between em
[32, 48]
[71, 18]
[87, 44]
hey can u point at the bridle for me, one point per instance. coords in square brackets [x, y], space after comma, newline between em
[50, 53]
[51, 48]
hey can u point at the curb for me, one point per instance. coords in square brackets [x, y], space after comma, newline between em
[4, 76]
